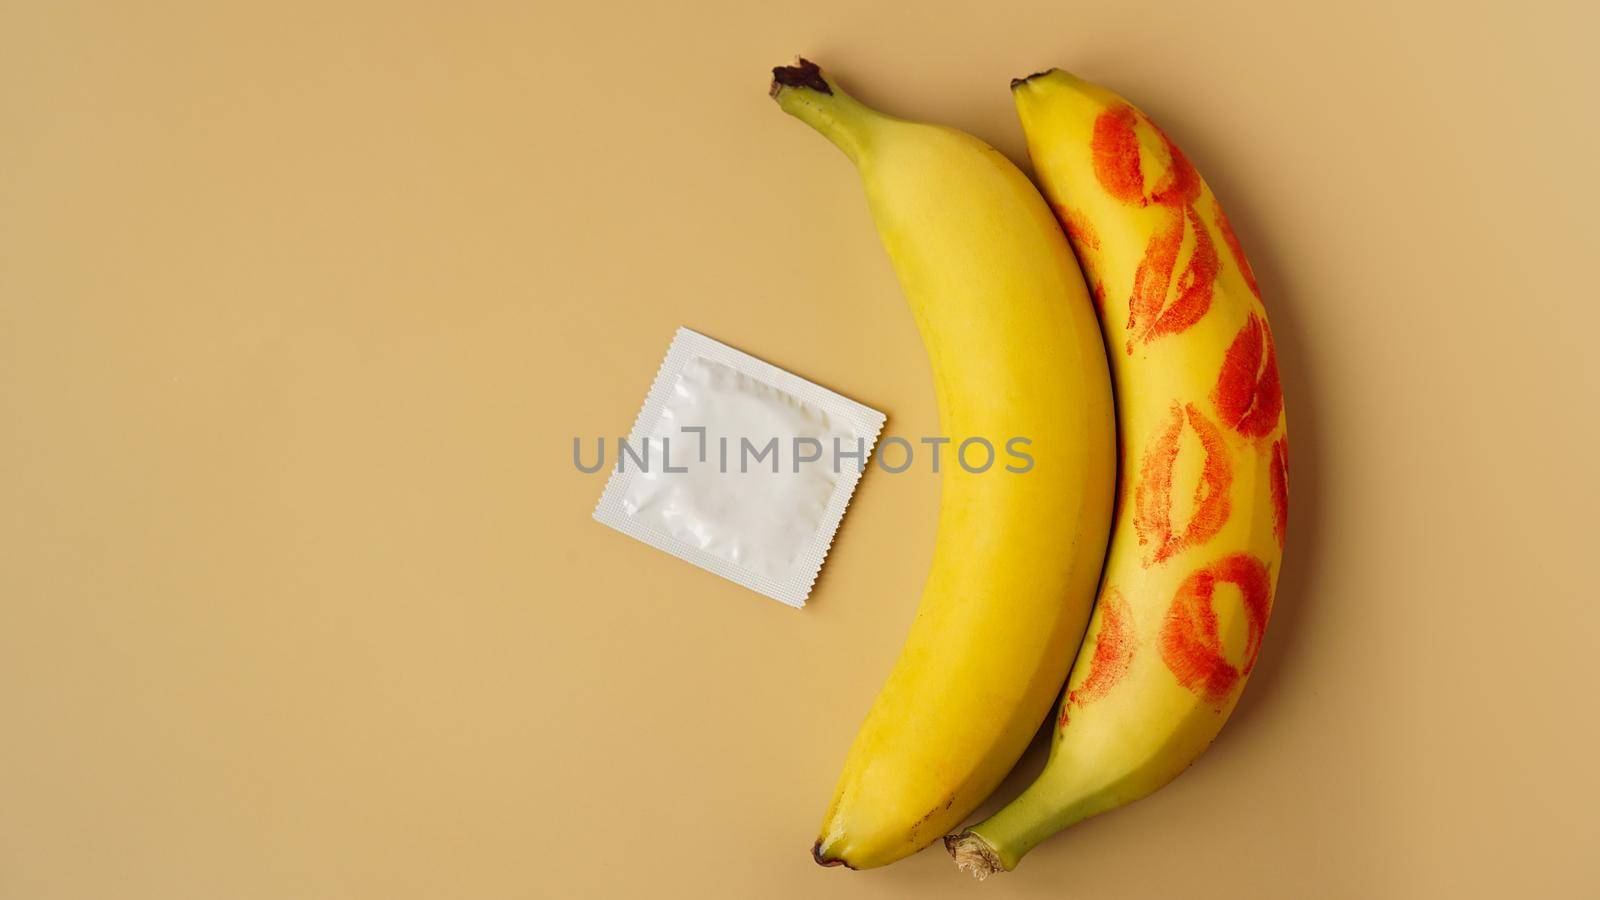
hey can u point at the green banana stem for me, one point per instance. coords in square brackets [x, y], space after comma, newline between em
[999, 842]
[805, 92]
[974, 854]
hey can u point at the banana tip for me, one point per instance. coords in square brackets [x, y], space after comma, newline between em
[1019, 82]
[803, 74]
[825, 860]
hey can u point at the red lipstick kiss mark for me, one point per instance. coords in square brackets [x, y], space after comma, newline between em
[1280, 489]
[1115, 147]
[1119, 163]
[1248, 396]
[1232, 240]
[1113, 652]
[1150, 315]
[1079, 229]
[1194, 285]
[1154, 276]
[1153, 502]
[1085, 241]
[1190, 644]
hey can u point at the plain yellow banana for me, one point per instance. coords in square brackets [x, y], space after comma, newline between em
[1016, 352]
[1195, 556]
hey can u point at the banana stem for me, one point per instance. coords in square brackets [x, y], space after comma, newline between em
[804, 91]
[974, 854]
[999, 842]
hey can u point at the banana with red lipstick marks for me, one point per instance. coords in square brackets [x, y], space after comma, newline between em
[1198, 541]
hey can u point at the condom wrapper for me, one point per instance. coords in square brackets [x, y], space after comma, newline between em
[739, 467]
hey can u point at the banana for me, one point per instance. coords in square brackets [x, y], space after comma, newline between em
[1015, 352]
[1203, 504]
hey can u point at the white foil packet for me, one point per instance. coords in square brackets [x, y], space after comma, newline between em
[739, 467]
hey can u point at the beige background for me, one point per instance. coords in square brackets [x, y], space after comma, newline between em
[302, 303]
